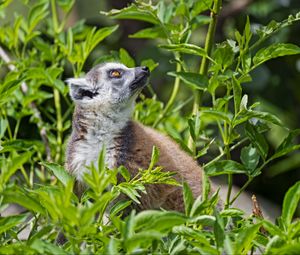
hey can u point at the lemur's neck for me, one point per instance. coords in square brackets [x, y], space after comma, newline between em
[96, 123]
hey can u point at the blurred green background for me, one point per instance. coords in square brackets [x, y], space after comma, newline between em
[276, 84]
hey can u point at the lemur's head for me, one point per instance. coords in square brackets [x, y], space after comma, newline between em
[108, 85]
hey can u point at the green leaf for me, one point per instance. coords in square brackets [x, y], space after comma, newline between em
[219, 230]
[191, 233]
[216, 114]
[113, 247]
[43, 231]
[287, 145]
[36, 14]
[250, 114]
[20, 145]
[44, 247]
[98, 207]
[159, 220]
[247, 33]
[204, 220]
[205, 148]
[194, 126]
[150, 33]
[126, 59]
[61, 174]
[185, 48]
[258, 140]
[124, 172]
[129, 191]
[245, 238]
[274, 51]
[228, 245]
[232, 212]
[150, 63]
[6, 223]
[225, 167]
[135, 13]
[290, 203]
[101, 160]
[20, 197]
[201, 6]
[7, 88]
[118, 207]
[288, 249]
[273, 229]
[66, 5]
[223, 56]
[142, 239]
[250, 157]
[193, 80]
[154, 158]
[3, 127]
[16, 163]
[94, 37]
[188, 198]
[16, 248]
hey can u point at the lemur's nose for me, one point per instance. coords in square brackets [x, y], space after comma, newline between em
[145, 69]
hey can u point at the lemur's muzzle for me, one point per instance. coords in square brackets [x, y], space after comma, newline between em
[142, 74]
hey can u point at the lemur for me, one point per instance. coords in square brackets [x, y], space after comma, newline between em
[104, 103]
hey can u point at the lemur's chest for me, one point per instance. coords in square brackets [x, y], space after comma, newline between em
[86, 151]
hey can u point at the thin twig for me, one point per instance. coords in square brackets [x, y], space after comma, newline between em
[172, 97]
[36, 113]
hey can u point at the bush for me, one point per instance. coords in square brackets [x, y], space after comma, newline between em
[39, 51]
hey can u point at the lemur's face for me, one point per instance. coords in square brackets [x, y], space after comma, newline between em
[108, 84]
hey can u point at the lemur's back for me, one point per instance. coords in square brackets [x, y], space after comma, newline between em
[137, 142]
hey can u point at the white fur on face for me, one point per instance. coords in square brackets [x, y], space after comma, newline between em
[98, 88]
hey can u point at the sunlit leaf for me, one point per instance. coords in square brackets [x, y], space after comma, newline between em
[150, 33]
[258, 140]
[135, 13]
[245, 238]
[62, 175]
[290, 203]
[224, 167]
[250, 157]
[274, 51]
[185, 48]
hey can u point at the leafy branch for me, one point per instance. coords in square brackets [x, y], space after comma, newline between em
[37, 114]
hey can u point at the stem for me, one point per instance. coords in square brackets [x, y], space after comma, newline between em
[17, 128]
[23, 171]
[223, 153]
[229, 191]
[228, 156]
[54, 16]
[8, 125]
[59, 124]
[172, 97]
[241, 190]
[204, 63]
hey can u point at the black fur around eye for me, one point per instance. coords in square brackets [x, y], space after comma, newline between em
[85, 93]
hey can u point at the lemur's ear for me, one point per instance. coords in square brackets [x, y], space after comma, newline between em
[77, 86]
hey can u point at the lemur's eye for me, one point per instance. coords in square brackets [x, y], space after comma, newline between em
[115, 74]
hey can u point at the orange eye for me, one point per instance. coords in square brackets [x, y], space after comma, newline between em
[115, 74]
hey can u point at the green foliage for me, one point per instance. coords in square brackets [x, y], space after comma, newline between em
[42, 50]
